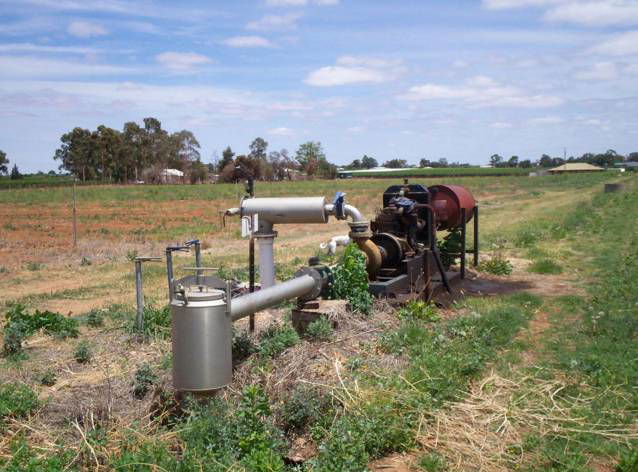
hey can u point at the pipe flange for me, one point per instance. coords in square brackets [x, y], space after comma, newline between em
[319, 282]
[360, 230]
[269, 235]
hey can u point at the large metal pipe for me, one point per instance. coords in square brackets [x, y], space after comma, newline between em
[286, 210]
[266, 260]
[253, 302]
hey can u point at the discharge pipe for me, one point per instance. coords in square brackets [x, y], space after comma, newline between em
[303, 210]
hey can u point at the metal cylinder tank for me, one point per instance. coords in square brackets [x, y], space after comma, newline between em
[447, 201]
[286, 210]
[201, 337]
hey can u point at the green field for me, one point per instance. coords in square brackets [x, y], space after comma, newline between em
[444, 172]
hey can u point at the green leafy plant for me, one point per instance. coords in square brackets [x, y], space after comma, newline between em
[95, 318]
[243, 347]
[432, 462]
[276, 339]
[419, 310]
[451, 244]
[157, 321]
[351, 280]
[320, 330]
[34, 266]
[144, 379]
[82, 353]
[85, 262]
[20, 324]
[14, 336]
[16, 400]
[496, 265]
[545, 266]
[4, 270]
[306, 405]
[48, 378]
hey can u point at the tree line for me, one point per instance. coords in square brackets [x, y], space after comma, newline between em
[137, 152]
[309, 160]
[143, 152]
[606, 159]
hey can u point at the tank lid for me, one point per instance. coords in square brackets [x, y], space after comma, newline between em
[202, 293]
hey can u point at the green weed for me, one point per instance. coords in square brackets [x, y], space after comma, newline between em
[276, 339]
[320, 330]
[305, 406]
[144, 379]
[48, 378]
[243, 347]
[85, 262]
[34, 266]
[545, 266]
[351, 280]
[496, 265]
[419, 310]
[432, 462]
[95, 318]
[17, 400]
[82, 353]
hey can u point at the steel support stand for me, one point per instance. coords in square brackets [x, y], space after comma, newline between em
[463, 234]
[139, 318]
[476, 235]
[251, 280]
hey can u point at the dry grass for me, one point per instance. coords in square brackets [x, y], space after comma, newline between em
[485, 430]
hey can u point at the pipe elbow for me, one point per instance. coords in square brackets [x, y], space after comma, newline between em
[373, 256]
[354, 214]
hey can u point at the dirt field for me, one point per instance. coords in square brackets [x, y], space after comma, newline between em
[40, 268]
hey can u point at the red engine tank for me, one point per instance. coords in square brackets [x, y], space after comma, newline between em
[447, 201]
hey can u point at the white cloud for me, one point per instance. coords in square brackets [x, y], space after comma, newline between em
[356, 129]
[353, 70]
[86, 29]
[182, 61]
[275, 22]
[624, 44]
[580, 12]
[595, 13]
[501, 125]
[546, 120]
[31, 67]
[299, 3]
[504, 4]
[125, 8]
[482, 91]
[281, 131]
[30, 47]
[459, 64]
[248, 42]
[599, 71]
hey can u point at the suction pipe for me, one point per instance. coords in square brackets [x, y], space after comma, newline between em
[256, 301]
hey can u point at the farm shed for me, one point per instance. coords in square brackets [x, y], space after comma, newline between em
[575, 167]
[172, 176]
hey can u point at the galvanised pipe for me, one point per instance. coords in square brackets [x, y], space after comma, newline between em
[265, 298]
[286, 210]
[266, 259]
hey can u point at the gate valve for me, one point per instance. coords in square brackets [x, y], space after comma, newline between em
[339, 203]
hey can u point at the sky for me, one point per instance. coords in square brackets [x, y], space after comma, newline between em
[454, 79]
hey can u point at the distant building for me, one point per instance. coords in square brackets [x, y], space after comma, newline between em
[172, 176]
[574, 167]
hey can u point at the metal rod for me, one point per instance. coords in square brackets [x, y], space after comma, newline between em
[251, 280]
[139, 319]
[198, 261]
[476, 235]
[75, 225]
[463, 234]
[169, 272]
